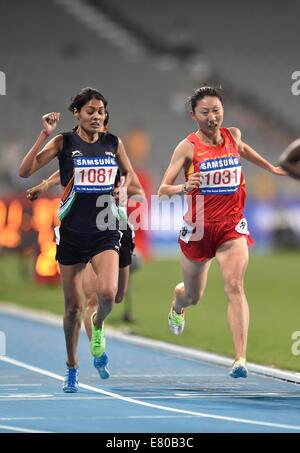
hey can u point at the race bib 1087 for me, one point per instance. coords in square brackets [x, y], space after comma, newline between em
[93, 174]
[220, 176]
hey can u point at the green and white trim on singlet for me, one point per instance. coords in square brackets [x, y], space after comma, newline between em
[120, 212]
[66, 204]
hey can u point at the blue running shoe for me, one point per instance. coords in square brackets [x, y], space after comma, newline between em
[70, 384]
[100, 365]
[239, 368]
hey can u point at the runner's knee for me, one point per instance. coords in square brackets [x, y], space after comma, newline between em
[73, 312]
[108, 293]
[234, 286]
[92, 301]
[191, 297]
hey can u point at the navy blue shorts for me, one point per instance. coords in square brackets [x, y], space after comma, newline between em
[73, 250]
[127, 247]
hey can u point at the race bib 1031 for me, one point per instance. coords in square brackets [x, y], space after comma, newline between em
[220, 176]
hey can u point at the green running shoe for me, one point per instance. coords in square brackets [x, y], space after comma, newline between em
[98, 339]
[176, 322]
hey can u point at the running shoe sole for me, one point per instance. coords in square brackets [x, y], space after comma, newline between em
[70, 389]
[100, 364]
[239, 372]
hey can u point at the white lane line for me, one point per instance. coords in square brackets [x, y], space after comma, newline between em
[155, 397]
[20, 385]
[8, 419]
[20, 430]
[238, 395]
[159, 416]
[125, 417]
[171, 376]
[26, 395]
[153, 406]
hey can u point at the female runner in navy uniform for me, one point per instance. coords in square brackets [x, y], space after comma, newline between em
[89, 281]
[88, 161]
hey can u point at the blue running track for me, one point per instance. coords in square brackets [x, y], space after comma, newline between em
[149, 391]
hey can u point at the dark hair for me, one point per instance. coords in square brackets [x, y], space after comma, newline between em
[86, 95]
[203, 91]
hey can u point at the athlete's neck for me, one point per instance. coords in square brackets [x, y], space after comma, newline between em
[87, 136]
[213, 139]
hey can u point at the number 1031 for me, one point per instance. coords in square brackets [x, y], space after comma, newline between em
[221, 177]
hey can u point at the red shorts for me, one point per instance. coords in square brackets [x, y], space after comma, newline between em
[215, 234]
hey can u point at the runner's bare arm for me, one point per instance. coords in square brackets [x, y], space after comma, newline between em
[34, 192]
[135, 189]
[36, 157]
[253, 156]
[182, 156]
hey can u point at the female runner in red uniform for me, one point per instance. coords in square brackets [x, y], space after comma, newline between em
[214, 225]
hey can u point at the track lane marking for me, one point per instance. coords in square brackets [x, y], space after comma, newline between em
[153, 406]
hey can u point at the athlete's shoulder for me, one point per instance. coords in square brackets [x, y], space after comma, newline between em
[183, 152]
[64, 140]
[236, 133]
[192, 138]
[67, 133]
[184, 146]
[111, 140]
[56, 143]
[109, 136]
[67, 136]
